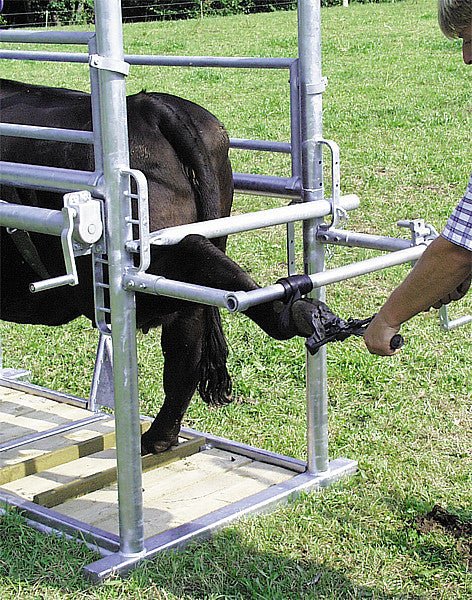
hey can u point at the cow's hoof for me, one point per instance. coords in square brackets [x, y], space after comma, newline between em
[149, 445]
[312, 318]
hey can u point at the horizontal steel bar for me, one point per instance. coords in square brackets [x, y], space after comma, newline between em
[46, 37]
[46, 133]
[268, 185]
[43, 56]
[241, 301]
[49, 178]
[162, 61]
[210, 61]
[247, 222]
[271, 458]
[31, 218]
[262, 145]
[40, 435]
[341, 237]
[448, 324]
[37, 390]
[459, 322]
[206, 525]
[160, 286]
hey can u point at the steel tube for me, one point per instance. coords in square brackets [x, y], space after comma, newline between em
[311, 85]
[37, 390]
[31, 218]
[267, 185]
[39, 516]
[154, 284]
[48, 178]
[72, 57]
[40, 435]
[241, 301]
[246, 222]
[210, 61]
[261, 145]
[341, 237]
[46, 133]
[46, 37]
[113, 119]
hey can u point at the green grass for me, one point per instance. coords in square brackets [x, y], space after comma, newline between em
[399, 105]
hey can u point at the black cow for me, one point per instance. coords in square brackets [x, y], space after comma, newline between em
[183, 151]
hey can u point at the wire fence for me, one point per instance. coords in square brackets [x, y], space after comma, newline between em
[18, 13]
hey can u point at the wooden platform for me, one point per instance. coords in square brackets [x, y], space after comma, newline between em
[75, 471]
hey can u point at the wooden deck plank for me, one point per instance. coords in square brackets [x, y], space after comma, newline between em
[78, 477]
[23, 414]
[181, 492]
[56, 450]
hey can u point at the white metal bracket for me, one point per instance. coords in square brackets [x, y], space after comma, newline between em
[109, 64]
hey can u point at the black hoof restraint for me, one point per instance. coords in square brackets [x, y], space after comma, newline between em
[295, 287]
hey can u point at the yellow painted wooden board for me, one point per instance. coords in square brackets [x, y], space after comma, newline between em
[181, 492]
[75, 478]
[22, 414]
[42, 454]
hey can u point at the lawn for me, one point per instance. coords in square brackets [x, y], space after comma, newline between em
[399, 104]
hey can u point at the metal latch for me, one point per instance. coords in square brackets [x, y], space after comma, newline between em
[337, 211]
[421, 232]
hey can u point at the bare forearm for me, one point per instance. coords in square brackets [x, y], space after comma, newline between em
[442, 268]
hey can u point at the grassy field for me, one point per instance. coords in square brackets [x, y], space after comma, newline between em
[399, 104]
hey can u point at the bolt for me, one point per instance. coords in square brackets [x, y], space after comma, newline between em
[91, 228]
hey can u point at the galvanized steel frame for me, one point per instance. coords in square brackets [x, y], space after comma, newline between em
[111, 181]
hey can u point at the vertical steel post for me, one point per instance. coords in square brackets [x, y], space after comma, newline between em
[123, 311]
[311, 86]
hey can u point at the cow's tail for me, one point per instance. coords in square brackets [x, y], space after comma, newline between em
[183, 134]
[214, 380]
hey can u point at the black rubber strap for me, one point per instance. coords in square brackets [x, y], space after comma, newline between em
[295, 285]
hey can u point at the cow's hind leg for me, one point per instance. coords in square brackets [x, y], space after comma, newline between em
[194, 355]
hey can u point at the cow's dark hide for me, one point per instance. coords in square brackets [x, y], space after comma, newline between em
[183, 151]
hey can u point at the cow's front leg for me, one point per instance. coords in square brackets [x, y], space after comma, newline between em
[197, 260]
[181, 343]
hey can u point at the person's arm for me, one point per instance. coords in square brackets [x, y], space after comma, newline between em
[442, 268]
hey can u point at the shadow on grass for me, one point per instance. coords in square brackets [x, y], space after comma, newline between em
[225, 567]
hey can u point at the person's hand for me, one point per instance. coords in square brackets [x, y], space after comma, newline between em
[378, 335]
[456, 294]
